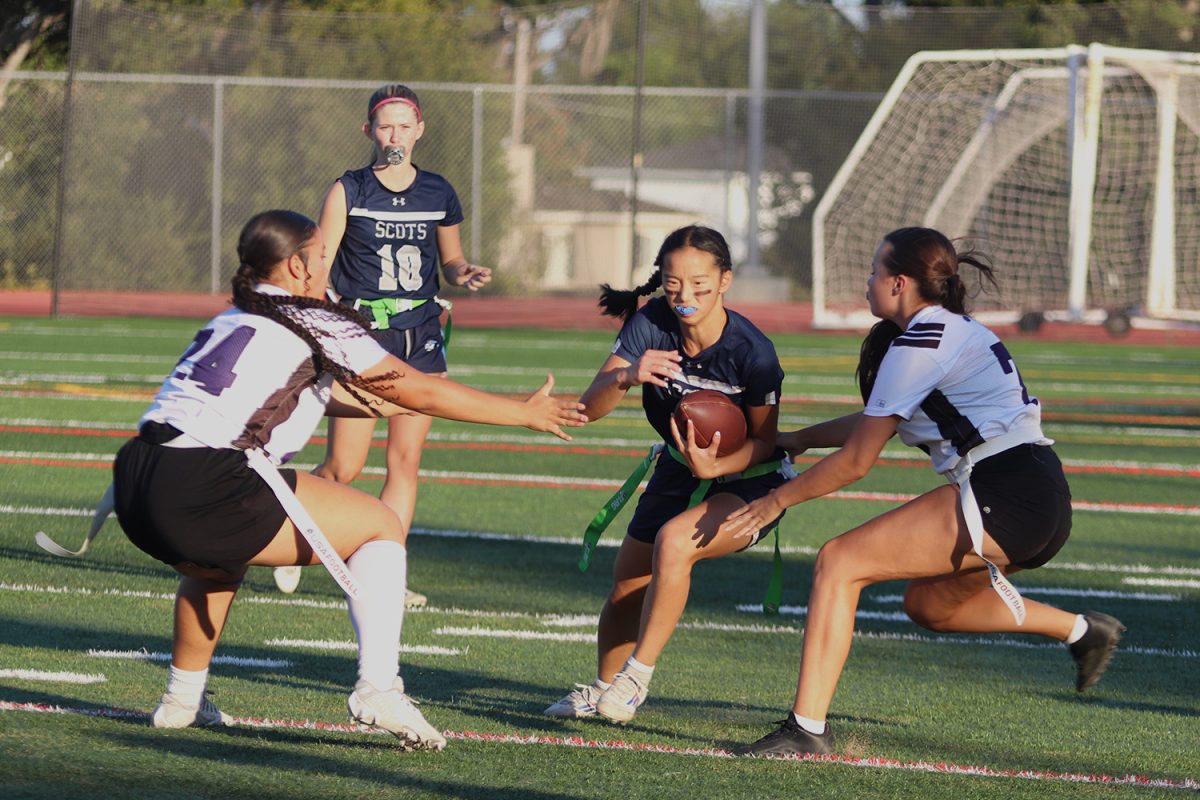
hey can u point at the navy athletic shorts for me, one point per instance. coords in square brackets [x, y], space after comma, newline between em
[421, 346]
[1025, 503]
[669, 490]
[195, 505]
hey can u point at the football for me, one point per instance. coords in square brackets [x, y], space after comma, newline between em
[711, 411]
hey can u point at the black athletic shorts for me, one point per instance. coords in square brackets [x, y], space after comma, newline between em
[1025, 503]
[421, 347]
[195, 505]
[656, 509]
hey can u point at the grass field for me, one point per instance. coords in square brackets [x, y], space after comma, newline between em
[511, 620]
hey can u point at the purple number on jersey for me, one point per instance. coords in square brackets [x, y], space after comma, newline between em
[214, 371]
[1009, 365]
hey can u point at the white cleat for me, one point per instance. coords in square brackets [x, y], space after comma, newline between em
[414, 599]
[287, 579]
[171, 713]
[621, 700]
[578, 703]
[393, 711]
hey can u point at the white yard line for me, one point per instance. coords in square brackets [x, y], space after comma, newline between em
[50, 677]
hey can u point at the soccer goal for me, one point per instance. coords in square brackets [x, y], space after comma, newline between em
[1076, 169]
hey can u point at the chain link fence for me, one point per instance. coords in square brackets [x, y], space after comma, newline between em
[576, 134]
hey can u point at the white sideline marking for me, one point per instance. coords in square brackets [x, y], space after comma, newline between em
[51, 677]
[802, 611]
[492, 633]
[145, 655]
[572, 621]
[329, 644]
[1164, 582]
[1060, 591]
[868, 762]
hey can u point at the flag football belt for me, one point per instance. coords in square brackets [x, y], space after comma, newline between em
[383, 309]
[312, 533]
[960, 475]
[613, 506]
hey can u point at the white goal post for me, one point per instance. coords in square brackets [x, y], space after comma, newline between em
[1077, 170]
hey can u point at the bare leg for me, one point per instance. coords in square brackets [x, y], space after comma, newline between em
[346, 453]
[406, 440]
[618, 629]
[689, 538]
[925, 538]
[201, 609]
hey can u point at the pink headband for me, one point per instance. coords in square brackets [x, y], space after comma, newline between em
[386, 100]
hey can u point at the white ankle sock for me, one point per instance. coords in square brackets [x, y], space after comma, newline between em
[381, 569]
[813, 726]
[601, 685]
[642, 671]
[1079, 630]
[187, 685]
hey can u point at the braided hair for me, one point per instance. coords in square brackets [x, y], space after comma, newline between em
[929, 258]
[267, 239]
[622, 303]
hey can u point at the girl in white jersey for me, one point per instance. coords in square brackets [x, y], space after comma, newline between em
[389, 226]
[946, 384]
[257, 379]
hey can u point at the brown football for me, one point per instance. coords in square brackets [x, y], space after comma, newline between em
[711, 411]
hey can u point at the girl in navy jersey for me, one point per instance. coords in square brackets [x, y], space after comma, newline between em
[947, 385]
[197, 488]
[674, 345]
[389, 225]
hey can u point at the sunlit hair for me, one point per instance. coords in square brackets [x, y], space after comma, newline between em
[931, 261]
[622, 303]
[267, 239]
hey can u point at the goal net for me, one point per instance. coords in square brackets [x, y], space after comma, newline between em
[1076, 169]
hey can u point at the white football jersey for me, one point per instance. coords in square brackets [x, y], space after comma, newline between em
[954, 385]
[247, 381]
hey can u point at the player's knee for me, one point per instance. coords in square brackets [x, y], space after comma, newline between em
[338, 471]
[675, 548]
[834, 562]
[627, 593]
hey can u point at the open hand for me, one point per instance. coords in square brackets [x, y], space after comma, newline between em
[551, 414]
[752, 517]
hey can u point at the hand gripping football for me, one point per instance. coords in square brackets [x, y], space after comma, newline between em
[711, 411]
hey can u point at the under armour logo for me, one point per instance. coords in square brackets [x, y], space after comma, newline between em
[397, 201]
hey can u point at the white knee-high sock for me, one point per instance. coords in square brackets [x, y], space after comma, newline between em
[381, 569]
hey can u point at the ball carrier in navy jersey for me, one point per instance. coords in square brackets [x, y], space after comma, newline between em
[389, 225]
[674, 345]
[200, 490]
[946, 384]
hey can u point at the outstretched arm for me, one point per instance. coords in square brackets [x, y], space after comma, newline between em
[441, 397]
[838, 469]
[831, 433]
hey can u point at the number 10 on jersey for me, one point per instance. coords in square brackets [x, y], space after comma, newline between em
[399, 271]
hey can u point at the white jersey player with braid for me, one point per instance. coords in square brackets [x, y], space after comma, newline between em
[947, 385]
[199, 487]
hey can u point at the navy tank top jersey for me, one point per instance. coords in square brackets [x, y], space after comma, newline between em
[390, 248]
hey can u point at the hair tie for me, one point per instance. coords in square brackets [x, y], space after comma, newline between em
[386, 100]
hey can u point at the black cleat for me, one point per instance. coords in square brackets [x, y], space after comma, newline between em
[787, 740]
[1093, 652]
